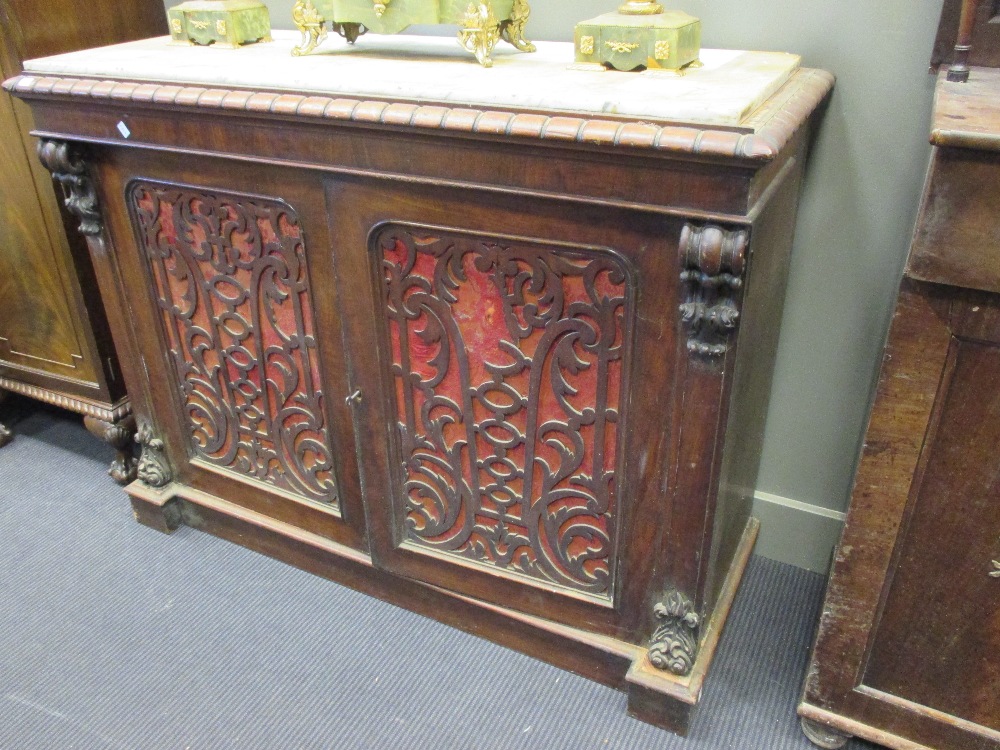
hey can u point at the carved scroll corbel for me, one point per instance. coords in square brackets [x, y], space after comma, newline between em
[153, 468]
[674, 645]
[712, 264]
[63, 160]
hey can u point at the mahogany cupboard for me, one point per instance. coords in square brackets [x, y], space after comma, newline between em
[54, 340]
[498, 351]
[908, 650]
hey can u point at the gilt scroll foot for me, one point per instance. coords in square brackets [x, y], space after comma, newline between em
[512, 30]
[310, 24]
[480, 32]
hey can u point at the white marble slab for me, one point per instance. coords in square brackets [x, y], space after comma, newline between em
[729, 86]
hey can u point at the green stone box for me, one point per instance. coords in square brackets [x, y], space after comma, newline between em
[640, 35]
[223, 23]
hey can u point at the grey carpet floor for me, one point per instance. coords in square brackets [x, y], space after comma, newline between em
[116, 637]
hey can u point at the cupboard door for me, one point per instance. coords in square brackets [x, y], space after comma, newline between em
[937, 642]
[492, 352]
[240, 342]
[231, 283]
[44, 338]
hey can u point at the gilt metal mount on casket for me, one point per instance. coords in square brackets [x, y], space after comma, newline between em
[482, 23]
[640, 35]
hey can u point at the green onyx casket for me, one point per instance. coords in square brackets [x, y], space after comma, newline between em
[223, 23]
[482, 23]
[635, 37]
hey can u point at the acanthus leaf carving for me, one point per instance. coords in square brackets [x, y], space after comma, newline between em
[153, 468]
[712, 264]
[69, 169]
[674, 645]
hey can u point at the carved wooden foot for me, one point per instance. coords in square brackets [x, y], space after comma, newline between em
[822, 735]
[5, 434]
[119, 435]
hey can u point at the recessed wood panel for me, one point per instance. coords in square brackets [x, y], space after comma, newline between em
[939, 635]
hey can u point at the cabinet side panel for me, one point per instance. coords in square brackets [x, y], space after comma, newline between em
[757, 344]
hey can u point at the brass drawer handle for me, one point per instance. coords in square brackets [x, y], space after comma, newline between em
[995, 573]
[354, 398]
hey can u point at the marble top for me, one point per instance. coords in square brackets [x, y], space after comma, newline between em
[729, 87]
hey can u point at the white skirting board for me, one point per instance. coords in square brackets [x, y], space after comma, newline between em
[797, 533]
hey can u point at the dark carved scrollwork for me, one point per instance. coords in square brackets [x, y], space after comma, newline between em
[119, 435]
[153, 468]
[5, 434]
[232, 284]
[712, 263]
[68, 168]
[508, 360]
[675, 641]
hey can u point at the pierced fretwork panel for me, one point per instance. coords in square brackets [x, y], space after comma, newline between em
[508, 360]
[232, 285]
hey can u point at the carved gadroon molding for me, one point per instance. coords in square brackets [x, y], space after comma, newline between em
[119, 410]
[63, 160]
[153, 468]
[771, 129]
[674, 644]
[712, 264]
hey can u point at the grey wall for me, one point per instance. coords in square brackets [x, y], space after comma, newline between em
[857, 211]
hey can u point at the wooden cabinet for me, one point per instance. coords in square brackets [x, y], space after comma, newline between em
[505, 366]
[54, 339]
[908, 651]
